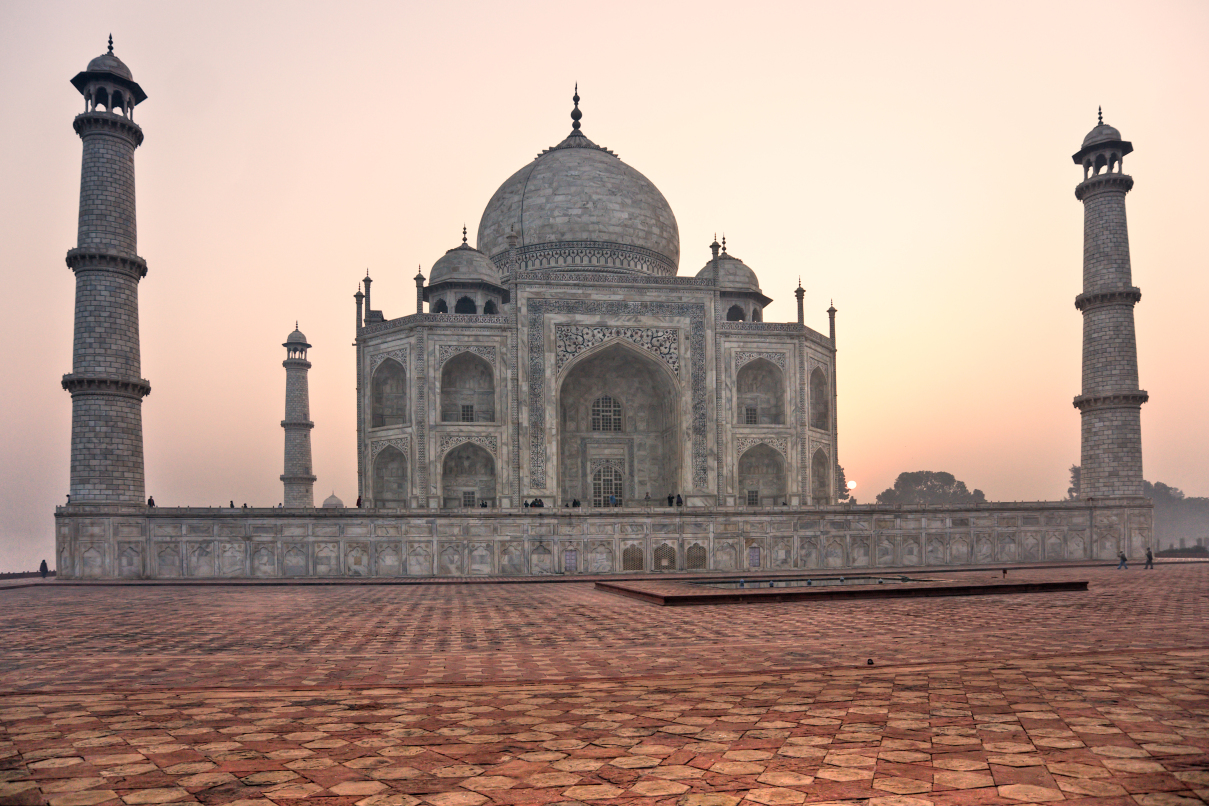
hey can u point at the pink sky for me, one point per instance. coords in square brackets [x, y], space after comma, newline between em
[911, 161]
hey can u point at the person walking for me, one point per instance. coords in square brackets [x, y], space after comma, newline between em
[1149, 560]
[43, 570]
[1121, 556]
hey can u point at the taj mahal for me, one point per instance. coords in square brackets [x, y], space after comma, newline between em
[566, 399]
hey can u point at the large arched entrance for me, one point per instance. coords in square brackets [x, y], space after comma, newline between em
[761, 477]
[619, 408]
[389, 395]
[761, 393]
[467, 390]
[467, 477]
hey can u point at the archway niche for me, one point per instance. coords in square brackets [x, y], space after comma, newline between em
[388, 394]
[640, 435]
[465, 305]
[735, 313]
[489, 307]
[440, 307]
[467, 390]
[820, 401]
[760, 388]
[761, 476]
[390, 479]
[820, 479]
[467, 477]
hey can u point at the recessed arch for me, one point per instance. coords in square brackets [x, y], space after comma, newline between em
[757, 315]
[101, 98]
[606, 414]
[820, 401]
[762, 476]
[388, 395]
[390, 479]
[608, 487]
[440, 307]
[489, 307]
[467, 390]
[735, 314]
[820, 478]
[760, 392]
[465, 305]
[644, 441]
[467, 477]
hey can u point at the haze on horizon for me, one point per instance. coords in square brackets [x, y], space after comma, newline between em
[910, 162]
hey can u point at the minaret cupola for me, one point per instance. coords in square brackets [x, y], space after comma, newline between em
[108, 84]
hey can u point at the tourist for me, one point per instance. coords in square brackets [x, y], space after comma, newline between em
[526, 504]
[1121, 556]
[69, 499]
[670, 498]
[232, 503]
[43, 570]
[679, 500]
[1149, 560]
[575, 503]
[483, 504]
[151, 501]
[358, 502]
[612, 500]
[648, 498]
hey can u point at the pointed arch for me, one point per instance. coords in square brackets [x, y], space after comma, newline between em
[820, 479]
[489, 307]
[465, 305]
[735, 314]
[762, 476]
[760, 389]
[468, 477]
[388, 395]
[467, 390]
[820, 400]
[440, 307]
[390, 479]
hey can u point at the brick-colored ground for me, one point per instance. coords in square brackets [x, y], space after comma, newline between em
[460, 695]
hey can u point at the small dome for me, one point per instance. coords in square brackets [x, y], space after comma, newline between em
[108, 63]
[732, 273]
[466, 264]
[1103, 133]
[332, 502]
[296, 337]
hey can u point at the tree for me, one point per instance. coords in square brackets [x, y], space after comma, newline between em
[845, 493]
[1072, 492]
[929, 487]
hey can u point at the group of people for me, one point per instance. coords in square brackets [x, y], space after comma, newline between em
[1124, 561]
[536, 503]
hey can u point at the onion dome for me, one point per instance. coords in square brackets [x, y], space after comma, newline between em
[464, 264]
[578, 206]
[733, 273]
[332, 502]
[108, 63]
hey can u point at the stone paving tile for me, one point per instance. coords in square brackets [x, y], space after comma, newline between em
[581, 697]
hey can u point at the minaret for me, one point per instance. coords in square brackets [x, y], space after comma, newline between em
[297, 478]
[800, 293]
[105, 383]
[1111, 401]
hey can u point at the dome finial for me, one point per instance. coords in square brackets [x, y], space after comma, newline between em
[1099, 116]
[463, 234]
[724, 243]
[575, 113]
[111, 44]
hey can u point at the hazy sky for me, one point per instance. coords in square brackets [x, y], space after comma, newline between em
[909, 160]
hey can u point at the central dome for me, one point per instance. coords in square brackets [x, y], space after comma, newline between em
[577, 206]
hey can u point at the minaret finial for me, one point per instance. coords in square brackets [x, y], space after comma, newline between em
[1099, 116]
[295, 324]
[111, 44]
[724, 243]
[575, 113]
[463, 234]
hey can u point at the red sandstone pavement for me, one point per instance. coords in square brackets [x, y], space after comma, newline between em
[461, 695]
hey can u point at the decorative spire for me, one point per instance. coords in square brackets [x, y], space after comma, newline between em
[1099, 116]
[463, 235]
[724, 243]
[111, 44]
[575, 113]
[799, 281]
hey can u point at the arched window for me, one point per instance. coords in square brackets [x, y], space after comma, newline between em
[606, 414]
[102, 98]
[388, 394]
[631, 559]
[762, 476]
[735, 314]
[756, 316]
[489, 307]
[820, 479]
[118, 104]
[467, 390]
[664, 557]
[440, 307]
[467, 477]
[820, 401]
[465, 305]
[607, 484]
[696, 557]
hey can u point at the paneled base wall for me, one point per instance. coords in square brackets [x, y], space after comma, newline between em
[96, 542]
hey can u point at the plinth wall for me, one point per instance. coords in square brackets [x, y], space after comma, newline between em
[97, 542]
